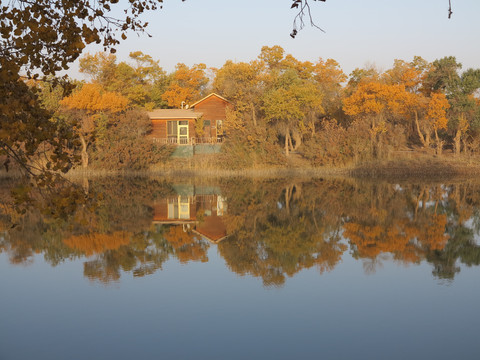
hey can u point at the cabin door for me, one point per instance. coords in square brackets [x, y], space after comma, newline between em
[183, 132]
[207, 129]
[183, 207]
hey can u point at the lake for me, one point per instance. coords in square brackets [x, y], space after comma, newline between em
[244, 268]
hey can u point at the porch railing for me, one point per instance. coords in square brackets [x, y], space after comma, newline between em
[188, 141]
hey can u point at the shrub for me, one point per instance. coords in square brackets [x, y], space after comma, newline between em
[124, 145]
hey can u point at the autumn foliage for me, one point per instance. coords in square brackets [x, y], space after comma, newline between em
[275, 228]
[92, 99]
[279, 105]
[97, 243]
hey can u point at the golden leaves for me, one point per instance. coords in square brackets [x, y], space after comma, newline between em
[374, 97]
[97, 243]
[436, 110]
[93, 98]
[186, 86]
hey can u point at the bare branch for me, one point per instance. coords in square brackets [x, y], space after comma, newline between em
[304, 11]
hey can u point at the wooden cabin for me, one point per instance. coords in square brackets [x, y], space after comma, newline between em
[178, 126]
[174, 126]
[203, 214]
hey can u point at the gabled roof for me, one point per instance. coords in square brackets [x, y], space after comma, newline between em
[206, 97]
[212, 228]
[174, 114]
[213, 240]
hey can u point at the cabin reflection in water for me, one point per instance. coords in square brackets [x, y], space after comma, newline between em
[199, 211]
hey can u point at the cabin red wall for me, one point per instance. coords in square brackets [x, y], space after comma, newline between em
[160, 211]
[213, 108]
[191, 128]
[159, 129]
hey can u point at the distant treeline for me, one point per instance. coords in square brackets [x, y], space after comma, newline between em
[280, 105]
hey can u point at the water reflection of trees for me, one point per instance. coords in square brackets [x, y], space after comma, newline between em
[303, 226]
[274, 228]
[280, 230]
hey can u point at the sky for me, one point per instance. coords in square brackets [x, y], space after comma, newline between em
[358, 33]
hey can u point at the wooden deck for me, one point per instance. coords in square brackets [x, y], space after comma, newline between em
[187, 141]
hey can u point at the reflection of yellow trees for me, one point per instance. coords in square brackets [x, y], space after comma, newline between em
[95, 243]
[277, 228]
[279, 233]
[407, 241]
[187, 247]
[406, 223]
[461, 199]
[280, 250]
[432, 234]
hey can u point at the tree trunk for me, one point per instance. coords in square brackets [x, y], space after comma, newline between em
[373, 138]
[457, 140]
[287, 199]
[298, 140]
[85, 185]
[438, 143]
[84, 153]
[287, 137]
[423, 139]
[290, 143]
[428, 140]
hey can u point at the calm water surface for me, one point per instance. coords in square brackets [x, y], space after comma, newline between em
[246, 269]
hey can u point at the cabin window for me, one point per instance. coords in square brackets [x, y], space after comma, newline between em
[206, 123]
[220, 129]
[179, 208]
[172, 130]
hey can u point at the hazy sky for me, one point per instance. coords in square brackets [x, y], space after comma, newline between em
[358, 32]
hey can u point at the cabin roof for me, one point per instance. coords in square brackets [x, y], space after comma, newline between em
[210, 95]
[174, 114]
[215, 239]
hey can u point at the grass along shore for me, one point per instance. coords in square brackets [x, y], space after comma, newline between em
[420, 165]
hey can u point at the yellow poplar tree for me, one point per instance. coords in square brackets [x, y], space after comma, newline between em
[92, 102]
[437, 116]
[187, 85]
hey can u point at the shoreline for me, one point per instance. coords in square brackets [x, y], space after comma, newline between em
[383, 169]
[419, 167]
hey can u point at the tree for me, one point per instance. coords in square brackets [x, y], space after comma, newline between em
[142, 83]
[48, 35]
[240, 83]
[101, 68]
[288, 104]
[187, 85]
[124, 144]
[436, 116]
[443, 76]
[329, 78]
[39, 39]
[92, 105]
[377, 104]
[26, 131]
[411, 75]
[272, 57]
[460, 91]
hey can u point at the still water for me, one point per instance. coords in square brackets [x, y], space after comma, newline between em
[246, 269]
